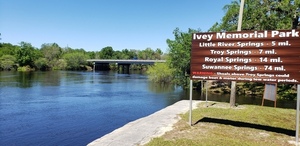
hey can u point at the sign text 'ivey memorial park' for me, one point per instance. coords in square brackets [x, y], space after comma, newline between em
[257, 56]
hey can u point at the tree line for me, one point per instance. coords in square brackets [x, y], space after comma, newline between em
[50, 56]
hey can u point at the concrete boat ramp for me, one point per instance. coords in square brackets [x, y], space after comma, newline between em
[141, 131]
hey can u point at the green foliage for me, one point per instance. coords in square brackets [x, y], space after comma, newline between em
[149, 54]
[253, 87]
[287, 91]
[128, 54]
[51, 53]
[75, 60]
[260, 15]
[107, 53]
[124, 54]
[8, 49]
[25, 68]
[179, 55]
[230, 20]
[26, 54]
[160, 73]
[41, 64]
[92, 55]
[61, 64]
[70, 50]
[7, 62]
[117, 55]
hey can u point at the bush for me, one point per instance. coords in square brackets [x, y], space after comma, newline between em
[25, 68]
[160, 73]
[7, 62]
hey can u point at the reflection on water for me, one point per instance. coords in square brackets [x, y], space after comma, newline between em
[28, 79]
[162, 88]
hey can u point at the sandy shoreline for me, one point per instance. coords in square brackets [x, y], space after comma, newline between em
[141, 131]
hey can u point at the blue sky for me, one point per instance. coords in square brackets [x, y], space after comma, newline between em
[95, 24]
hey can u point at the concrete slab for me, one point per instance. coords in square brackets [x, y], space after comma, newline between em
[141, 131]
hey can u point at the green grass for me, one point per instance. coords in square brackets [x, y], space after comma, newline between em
[244, 125]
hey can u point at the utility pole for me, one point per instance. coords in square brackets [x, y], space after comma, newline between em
[233, 83]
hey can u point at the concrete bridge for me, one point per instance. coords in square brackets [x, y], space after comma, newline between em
[103, 64]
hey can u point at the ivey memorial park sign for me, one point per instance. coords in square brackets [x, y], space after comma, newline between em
[257, 56]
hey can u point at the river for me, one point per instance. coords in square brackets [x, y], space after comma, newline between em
[75, 108]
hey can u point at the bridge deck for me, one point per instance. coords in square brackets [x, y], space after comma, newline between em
[125, 61]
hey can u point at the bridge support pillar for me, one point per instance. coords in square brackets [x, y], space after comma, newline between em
[94, 66]
[123, 68]
[101, 66]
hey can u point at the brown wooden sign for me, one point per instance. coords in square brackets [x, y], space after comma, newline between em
[244, 56]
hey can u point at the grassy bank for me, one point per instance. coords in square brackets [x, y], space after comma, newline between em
[218, 124]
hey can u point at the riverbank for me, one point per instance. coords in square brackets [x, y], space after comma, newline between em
[141, 131]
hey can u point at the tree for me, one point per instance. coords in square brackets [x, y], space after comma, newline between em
[7, 56]
[128, 54]
[158, 53]
[8, 49]
[26, 54]
[144, 54]
[7, 62]
[61, 64]
[118, 55]
[51, 52]
[133, 53]
[41, 64]
[92, 55]
[75, 60]
[179, 55]
[107, 53]
[260, 15]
